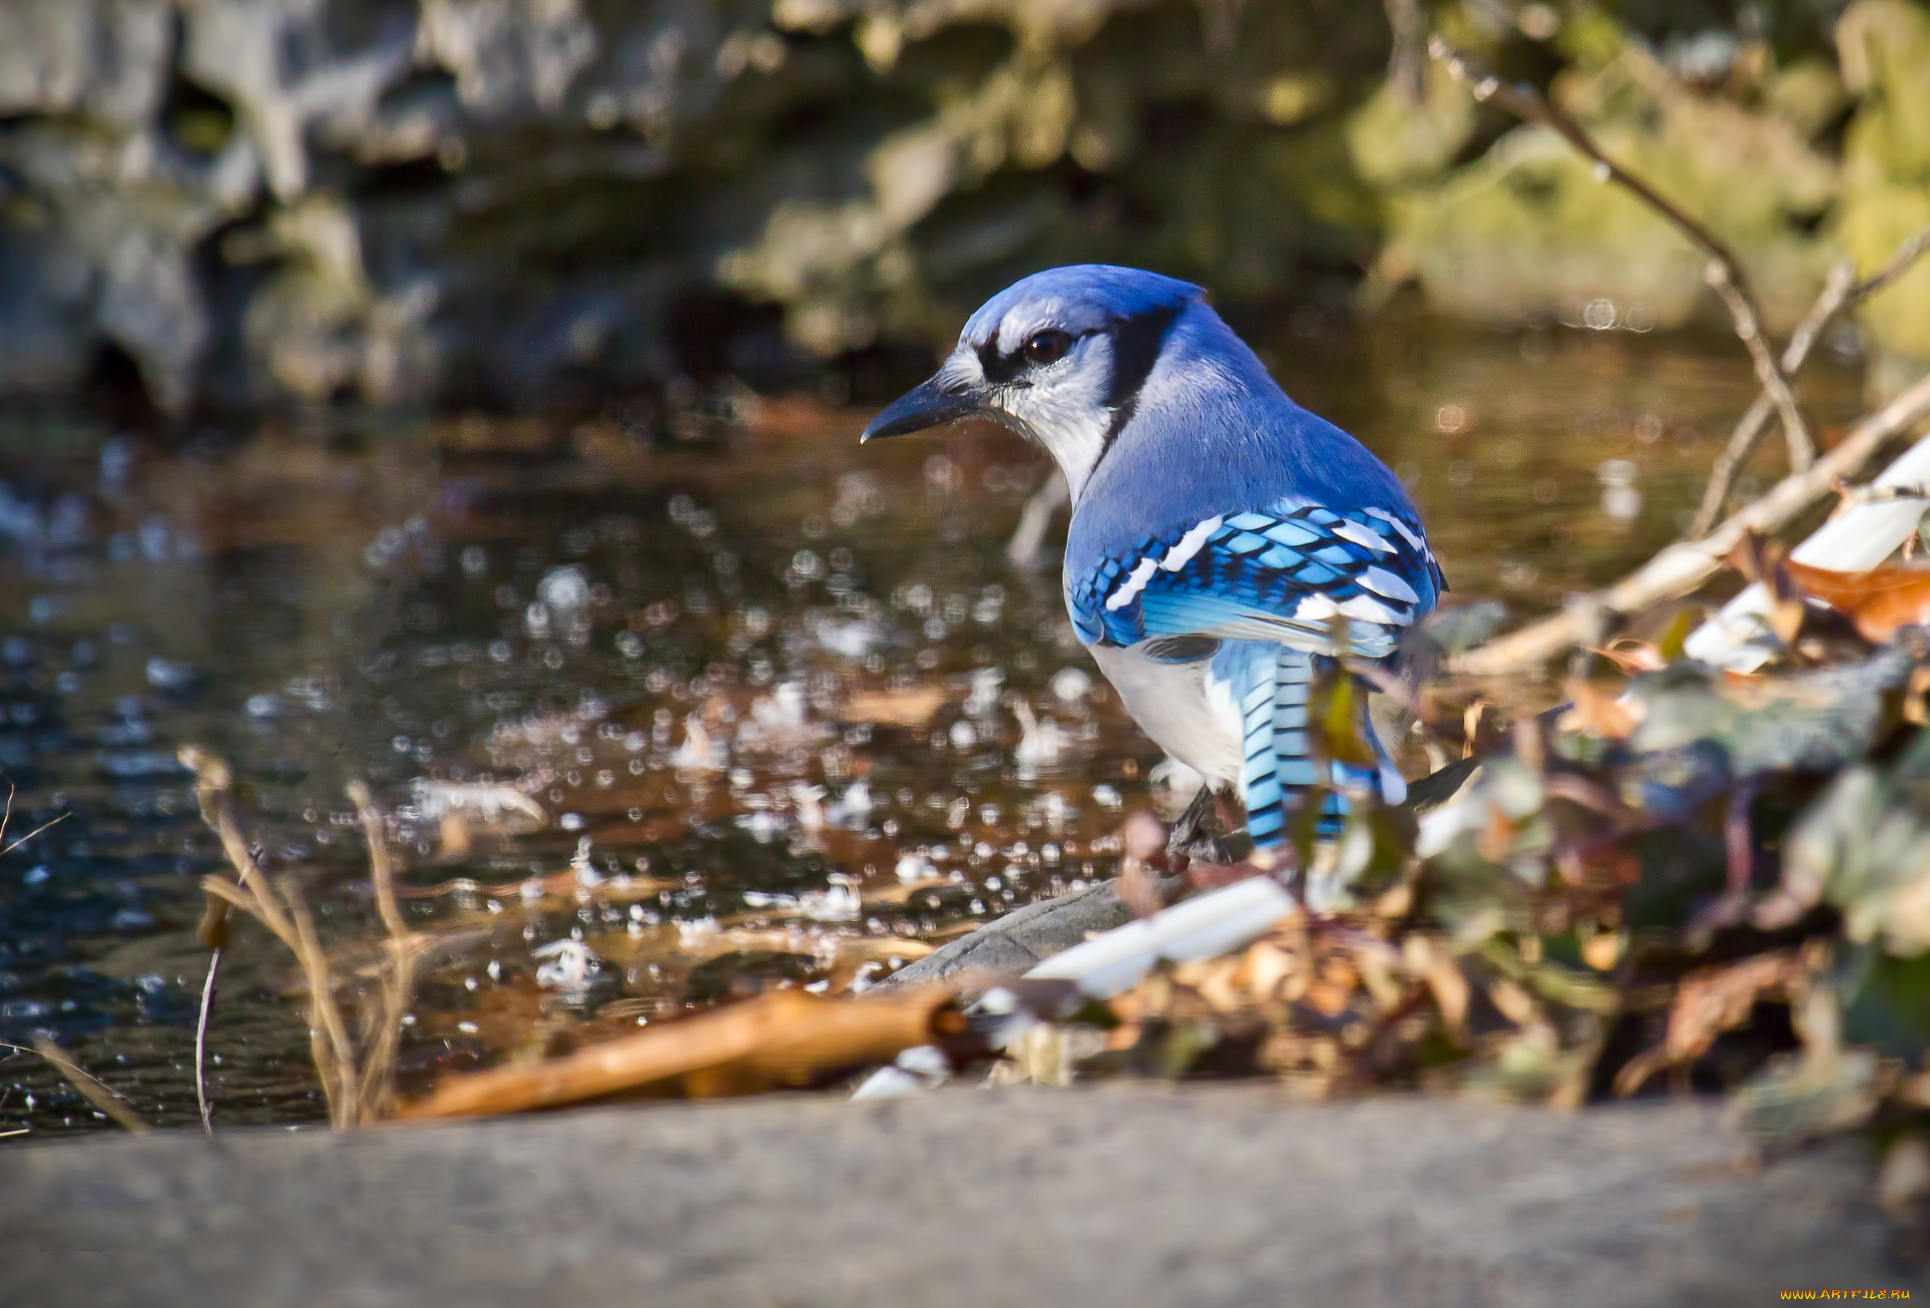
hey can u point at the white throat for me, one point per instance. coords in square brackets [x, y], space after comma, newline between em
[1074, 437]
[1068, 415]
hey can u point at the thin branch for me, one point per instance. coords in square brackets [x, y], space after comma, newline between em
[1685, 565]
[1725, 273]
[201, 1043]
[1840, 294]
[1407, 63]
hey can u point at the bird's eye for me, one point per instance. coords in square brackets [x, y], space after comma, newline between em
[1048, 346]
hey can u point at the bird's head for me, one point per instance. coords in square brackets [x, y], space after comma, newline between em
[1058, 357]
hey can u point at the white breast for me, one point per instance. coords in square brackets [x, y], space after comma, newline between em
[1174, 704]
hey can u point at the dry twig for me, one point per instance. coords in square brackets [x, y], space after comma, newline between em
[1725, 272]
[1685, 565]
[1841, 292]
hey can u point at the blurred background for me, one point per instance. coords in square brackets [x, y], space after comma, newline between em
[462, 394]
[515, 204]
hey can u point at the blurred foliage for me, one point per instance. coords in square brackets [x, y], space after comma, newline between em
[1682, 878]
[526, 200]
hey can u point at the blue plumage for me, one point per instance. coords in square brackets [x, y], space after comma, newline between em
[1221, 535]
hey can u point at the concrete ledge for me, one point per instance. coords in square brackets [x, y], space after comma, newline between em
[1124, 1195]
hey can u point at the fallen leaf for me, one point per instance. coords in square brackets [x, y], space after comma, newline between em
[1878, 603]
[1707, 1003]
[896, 708]
[1631, 655]
[1598, 714]
[1761, 561]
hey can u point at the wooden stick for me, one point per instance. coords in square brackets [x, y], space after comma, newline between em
[1685, 565]
[1725, 272]
[784, 1037]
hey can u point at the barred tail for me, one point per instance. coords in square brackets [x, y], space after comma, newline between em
[1279, 767]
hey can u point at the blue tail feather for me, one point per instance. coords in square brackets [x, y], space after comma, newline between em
[1273, 695]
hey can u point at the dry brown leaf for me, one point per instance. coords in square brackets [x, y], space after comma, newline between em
[1761, 560]
[1878, 603]
[896, 708]
[1707, 1003]
[1333, 985]
[1214, 979]
[783, 1038]
[1631, 655]
[1601, 715]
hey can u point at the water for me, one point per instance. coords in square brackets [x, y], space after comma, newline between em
[572, 610]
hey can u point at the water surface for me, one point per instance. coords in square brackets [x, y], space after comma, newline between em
[758, 679]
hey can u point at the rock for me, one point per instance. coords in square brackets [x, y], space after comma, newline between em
[540, 190]
[1023, 938]
[1133, 1194]
[1529, 232]
[1884, 46]
[107, 59]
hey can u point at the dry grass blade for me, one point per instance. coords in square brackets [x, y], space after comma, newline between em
[783, 1038]
[36, 831]
[91, 1088]
[356, 1084]
[327, 1032]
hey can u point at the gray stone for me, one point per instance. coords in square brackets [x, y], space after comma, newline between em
[107, 59]
[1022, 939]
[1126, 1195]
[1026, 937]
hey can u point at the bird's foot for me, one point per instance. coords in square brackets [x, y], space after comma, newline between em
[1201, 848]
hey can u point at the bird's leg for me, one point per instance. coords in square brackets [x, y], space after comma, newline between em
[1190, 839]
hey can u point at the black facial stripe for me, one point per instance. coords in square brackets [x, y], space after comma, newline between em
[1135, 349]
[1000, 368]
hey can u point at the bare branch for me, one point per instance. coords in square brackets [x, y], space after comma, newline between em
[1685, 565]
[1840, 294]
[1726, 274]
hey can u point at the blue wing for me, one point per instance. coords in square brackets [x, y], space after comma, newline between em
[1272, 582]
[1281, 575]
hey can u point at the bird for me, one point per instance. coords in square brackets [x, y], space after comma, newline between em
[1225, 543]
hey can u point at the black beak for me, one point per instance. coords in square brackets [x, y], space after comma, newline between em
[931, 404]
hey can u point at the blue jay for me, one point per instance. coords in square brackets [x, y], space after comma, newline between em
[1218, 528]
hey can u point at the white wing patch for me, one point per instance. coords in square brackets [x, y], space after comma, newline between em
[1383, 582]
[1188, 545]
[1176, 558]
[1366, 537]
[1407, 533]
[1134, 583]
